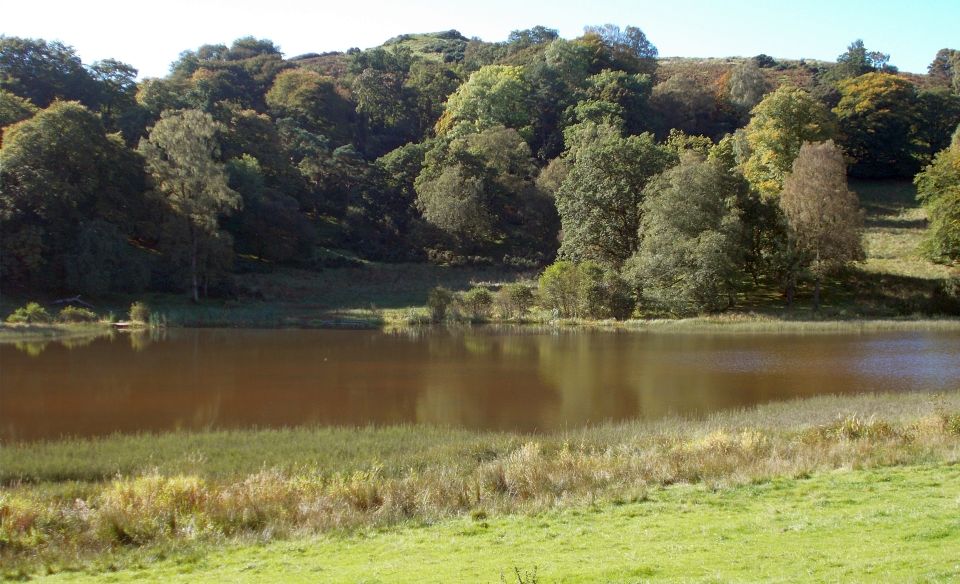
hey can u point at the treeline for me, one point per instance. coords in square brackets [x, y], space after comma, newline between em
[446, 149]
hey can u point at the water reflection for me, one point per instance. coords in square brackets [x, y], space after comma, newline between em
[523, 379]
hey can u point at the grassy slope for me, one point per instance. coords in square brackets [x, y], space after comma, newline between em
[895, 227]
[893, 524]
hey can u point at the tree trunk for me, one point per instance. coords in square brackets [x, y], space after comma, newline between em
[193, 267]
[791, 290]
[816, 294]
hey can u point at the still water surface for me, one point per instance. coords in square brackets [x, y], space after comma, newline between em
[484, 378]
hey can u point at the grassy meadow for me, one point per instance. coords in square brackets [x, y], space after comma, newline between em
[126, 501]
[884, 524]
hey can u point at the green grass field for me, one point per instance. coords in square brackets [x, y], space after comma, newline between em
[892, 524]
[122, 502]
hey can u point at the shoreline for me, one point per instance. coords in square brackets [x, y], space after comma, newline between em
[732, 323]
[130, 500]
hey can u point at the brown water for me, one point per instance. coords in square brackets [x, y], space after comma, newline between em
[487, 378]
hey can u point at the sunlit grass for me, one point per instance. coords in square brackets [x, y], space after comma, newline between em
[892, 524]
[81, 502]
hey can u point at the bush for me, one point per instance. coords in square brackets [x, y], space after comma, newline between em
[139, 312]
[438, 301]
[514, 300]
[603, 292]
[32, 313]
[478, 302]
[77, 314]
[588, 290]
[560, 287]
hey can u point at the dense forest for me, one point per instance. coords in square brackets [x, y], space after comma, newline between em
[675, 182]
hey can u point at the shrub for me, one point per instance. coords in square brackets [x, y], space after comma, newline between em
[603, 292]
[514, 300]
[139, 312]
[559, 288]
[30, 314]
[77, 314]
[589, 289]
[438, 301]
[478, 302]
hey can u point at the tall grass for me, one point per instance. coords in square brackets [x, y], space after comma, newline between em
[213, 487]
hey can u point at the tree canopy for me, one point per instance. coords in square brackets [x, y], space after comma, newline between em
[779, 126]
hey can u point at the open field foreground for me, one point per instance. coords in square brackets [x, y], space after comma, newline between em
[612, 502]
[890, 524]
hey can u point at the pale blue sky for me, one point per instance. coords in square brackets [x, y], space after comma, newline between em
[150, 35]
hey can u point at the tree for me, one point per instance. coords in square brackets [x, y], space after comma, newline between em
[587, 289]
[570, 60]
[857, 61]
[479, 189]
[599, 200]
[879, 118]
[683, 104]
[494, 95]
[944, 70]
[61, 172]
[314, 101]
[181, 153]
[14, 109]
[629, 93]
[538, 35]
[430, 85]
[781, 123]
[938, 188]
[628, 49]
[692, 248]
[747, 85]
[823, 215]
[118, 89]
[939, 114]
[43, 72]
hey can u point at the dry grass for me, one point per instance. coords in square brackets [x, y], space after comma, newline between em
[67, 524]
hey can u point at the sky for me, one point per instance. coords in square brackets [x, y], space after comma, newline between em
[150, 35]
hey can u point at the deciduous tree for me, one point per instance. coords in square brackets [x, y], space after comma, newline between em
[690, 256]
[181, 153]
[879, 117]
[599, 201]
[823, 215]
[938, 188]
[781, 123]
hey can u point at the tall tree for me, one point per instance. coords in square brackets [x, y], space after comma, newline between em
[747, 85]
[944, 70]
[13, 109]
[315, 102]
[857, 61]
[494, 95]
[42, 72]
[879, 118]
[599, 201]
[781, 123]
[938, 188]
[683, 104]
[60, 171]
[628, 50]
[181, 154]
[690, 256]
[479, 189]
[823, 215]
